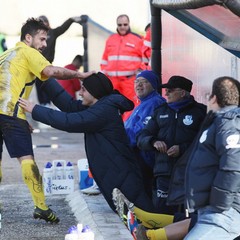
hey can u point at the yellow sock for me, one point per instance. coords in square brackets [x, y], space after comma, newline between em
[159, 234]
[33, 180]
[153, 220]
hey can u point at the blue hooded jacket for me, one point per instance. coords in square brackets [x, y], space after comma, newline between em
[139, 119]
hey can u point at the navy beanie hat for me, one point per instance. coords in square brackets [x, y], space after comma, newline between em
[98, 85]
[151, 77]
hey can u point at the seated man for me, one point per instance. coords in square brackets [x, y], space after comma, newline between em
[145, 86]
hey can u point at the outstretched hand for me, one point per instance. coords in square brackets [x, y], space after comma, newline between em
[26, 105]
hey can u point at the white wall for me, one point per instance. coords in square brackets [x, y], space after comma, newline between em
[15, 12]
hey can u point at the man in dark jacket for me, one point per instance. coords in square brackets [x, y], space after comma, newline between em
[170, 132]
[212, 183]
[98, 115]
[49, 51]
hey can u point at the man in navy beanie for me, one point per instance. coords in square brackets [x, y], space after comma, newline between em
[98, 115]
[145, 86]
[98, 85]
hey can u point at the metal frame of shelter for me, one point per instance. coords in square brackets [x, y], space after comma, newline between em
[194, 14]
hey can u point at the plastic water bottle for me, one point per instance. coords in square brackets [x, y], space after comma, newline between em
[47, 178]
[72, 233]
[59, 171]
[79, 233]
[87, 234]
[69, 171]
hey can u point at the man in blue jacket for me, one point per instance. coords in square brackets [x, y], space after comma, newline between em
[145, 86]
[98, 116]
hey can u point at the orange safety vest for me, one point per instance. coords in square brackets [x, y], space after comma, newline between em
[122, 56]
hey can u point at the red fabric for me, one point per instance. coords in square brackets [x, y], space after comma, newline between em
[71, 85]
[121, 60]
[129, 45]
[90, 174]
[146, 50]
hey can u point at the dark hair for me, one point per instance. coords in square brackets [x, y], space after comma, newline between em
[226, 89]
[79, 58]
[147, 27]
[32, 27]
[124, 15]
[44, 19]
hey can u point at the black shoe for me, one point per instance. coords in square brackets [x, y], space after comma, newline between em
[46, 215]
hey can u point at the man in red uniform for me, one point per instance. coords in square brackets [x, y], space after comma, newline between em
[122, 58]
[147, 48]
[72, 85]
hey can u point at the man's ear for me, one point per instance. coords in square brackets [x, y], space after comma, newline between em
[28, 37]
[213, 99]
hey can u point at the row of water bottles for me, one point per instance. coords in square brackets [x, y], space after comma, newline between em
[58, 170]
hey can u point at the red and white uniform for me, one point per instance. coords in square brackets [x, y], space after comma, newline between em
[147, 50]
[121, 60]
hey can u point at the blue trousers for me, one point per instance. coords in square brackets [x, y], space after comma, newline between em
[213, 224]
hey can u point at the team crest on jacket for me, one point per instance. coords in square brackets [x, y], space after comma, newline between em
[188, 120]
[203, 136]
[232, 141]
[146, 120]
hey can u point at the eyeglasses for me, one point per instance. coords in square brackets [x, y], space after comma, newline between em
[122, 24]
[171, 90]
[141, 82]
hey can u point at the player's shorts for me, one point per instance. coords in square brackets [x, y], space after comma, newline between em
[16, 135]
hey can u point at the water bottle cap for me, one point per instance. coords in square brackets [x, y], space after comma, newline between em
[86, 229]
[69, 164]
[59, 164]
[48, 165]
[72, 229]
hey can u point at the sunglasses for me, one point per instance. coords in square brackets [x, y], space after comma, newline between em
[122, 24]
